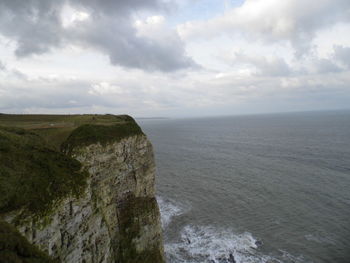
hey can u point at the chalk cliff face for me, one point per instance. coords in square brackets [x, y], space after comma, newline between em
[116, 219]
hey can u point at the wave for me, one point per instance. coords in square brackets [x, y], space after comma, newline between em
[169, 209]
[209, 244]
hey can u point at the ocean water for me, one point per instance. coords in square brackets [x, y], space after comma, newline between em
[263, 188]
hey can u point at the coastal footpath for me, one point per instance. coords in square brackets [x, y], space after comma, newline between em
[78, 188]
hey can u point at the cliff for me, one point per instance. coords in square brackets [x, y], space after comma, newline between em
[93, 201]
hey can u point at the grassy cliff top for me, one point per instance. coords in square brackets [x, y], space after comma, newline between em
[55, 129]
[33, 176]
[36, 170]
[89, 134]
[16, 248]
[33, 121]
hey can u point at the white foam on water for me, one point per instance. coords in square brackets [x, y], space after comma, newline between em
[209, 244]
[168, 209]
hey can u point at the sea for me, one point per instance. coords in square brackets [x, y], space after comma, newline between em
[255, 188]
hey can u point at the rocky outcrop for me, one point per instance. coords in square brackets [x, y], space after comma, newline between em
[16, 248]
[115, 219]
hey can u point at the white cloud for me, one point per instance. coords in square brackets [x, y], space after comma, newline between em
[71, 17]
[248, 56]
[326, 38]
[259, 65]
[295, 21]
[105, 26]
[342, 54]
[105, 88]
[2, 66]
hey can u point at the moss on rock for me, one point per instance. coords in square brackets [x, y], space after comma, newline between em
[34, 177]
[91, 134]
[14, 248]
[134, 212]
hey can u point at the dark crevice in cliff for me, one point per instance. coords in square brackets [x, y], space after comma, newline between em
[133, 213]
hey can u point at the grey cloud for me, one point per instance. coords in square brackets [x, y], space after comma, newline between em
[12, 73]
[18, 74]
[326, 66]
[33, 24]
[119, 40]
[64, 95]
[336, 63]
[157, 95]
[295, 21]
[24, 96]
[342, 54]
[117, 6]
[37, 28]
[326, 91]
[276, 67]
[311, 16]
[267, 67]
[2, 66]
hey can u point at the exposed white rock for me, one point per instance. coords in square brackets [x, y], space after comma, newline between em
[116, 217]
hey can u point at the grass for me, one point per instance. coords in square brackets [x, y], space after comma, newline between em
[14, 248]
[89, 134]
[55, 129]
[33, 176]
[34, 173]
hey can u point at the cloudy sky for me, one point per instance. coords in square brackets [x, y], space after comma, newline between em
[174, 58]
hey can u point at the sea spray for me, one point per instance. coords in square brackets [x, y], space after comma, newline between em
[169, 209]
[210, 244]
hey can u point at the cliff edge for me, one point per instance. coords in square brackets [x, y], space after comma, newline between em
[92, 201]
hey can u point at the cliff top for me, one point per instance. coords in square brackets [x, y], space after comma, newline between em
[55, 129]
[89, 134]
[34, 172]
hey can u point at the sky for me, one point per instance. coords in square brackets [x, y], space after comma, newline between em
[174, 58]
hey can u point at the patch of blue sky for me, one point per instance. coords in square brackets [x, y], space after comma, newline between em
[201, 10]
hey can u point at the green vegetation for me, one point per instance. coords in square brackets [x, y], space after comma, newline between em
[33, 176]
[37, 172]
[27, 121]
[14, 248]
[55, 129]
[34, 173]
[89, 134]
[132, 213]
